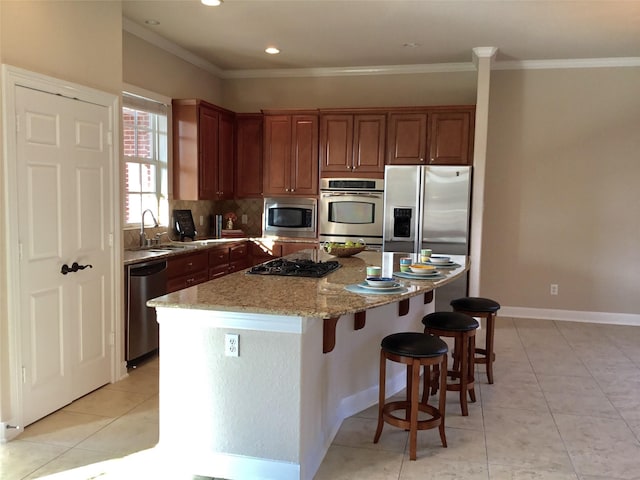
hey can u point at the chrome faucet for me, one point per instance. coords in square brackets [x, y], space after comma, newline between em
[143, 235]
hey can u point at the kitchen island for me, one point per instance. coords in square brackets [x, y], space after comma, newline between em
[308, 357]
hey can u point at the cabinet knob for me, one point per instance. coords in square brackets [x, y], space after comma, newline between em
[422, 160]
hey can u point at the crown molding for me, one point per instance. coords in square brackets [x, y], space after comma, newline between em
[351, 71]
[167, 45]
[612, 62]
[477, 52]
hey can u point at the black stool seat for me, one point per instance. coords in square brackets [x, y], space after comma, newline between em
[482, 308]
[417, 351]
[453, 321]
[414, 344]
[475, 304]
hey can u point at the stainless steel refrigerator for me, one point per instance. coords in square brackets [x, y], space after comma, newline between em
[429, 207]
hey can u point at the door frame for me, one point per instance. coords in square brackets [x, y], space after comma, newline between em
[11, 413]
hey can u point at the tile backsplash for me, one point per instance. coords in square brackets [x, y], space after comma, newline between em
[206, 209]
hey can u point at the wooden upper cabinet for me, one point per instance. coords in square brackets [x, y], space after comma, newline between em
[206, 135]
[248, 155]
[433, 135]
[407, 139]
[449, 138]
[203, 151]
[290, 154]
[226, 156]
[352, 144]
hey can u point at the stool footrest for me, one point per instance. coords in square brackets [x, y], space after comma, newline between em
[483, 358]
[405, 423]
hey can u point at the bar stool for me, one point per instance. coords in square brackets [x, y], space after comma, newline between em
[482, 308]
[462, 328]
[414, 350]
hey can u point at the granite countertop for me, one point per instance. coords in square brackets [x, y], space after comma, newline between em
[172, 249]
[300, 296]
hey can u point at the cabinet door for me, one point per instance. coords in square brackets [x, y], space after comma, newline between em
[368, 143]
[336, 144]
[208, 121]
[304, 155]
[225, 156]
[277, 154]
[248, 156]
[449, 138]
[407, 139]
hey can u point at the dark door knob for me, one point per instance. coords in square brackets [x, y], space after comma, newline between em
[75, 266]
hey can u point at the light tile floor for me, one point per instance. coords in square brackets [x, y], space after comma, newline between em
[565, 405]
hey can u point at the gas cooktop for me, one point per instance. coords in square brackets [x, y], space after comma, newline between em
[295, 268]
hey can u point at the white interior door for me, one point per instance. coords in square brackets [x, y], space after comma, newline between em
[63, 183]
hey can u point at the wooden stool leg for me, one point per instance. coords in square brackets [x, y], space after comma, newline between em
[464, 353]
[381, 395]
[427, 380]
[491, 319]
[413, 428]
[442, 377]
[471, 367]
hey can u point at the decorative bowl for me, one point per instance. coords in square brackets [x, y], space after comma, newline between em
[417, 268]
[380, 281]
[341, 250]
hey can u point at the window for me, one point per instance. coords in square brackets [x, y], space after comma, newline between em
[144, 125]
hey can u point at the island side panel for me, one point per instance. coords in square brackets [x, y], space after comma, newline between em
[229, 416]
[341, 383]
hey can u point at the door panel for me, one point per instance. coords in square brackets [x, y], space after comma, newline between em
[47, 364]
[42, 211]
[63, 217]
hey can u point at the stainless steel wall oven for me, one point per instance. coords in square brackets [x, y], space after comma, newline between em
[350, 209]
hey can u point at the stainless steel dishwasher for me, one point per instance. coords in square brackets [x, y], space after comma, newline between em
[144, 281]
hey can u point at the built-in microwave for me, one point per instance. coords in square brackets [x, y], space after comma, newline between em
[290, 217]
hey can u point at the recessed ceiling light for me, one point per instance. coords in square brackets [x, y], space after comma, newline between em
[272, 50]
[152, 22]
[211, 3]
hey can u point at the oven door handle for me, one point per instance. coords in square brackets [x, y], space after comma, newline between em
[352, 194]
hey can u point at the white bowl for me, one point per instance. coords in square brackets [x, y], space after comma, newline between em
[380, 281]
[439, 260]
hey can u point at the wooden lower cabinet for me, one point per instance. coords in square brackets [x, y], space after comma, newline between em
[228, 258]
[218, 261]
[187, 270]
[239, 257]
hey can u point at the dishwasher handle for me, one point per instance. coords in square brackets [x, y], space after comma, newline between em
[147, 269]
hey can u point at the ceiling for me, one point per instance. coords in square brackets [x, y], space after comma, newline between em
[338, 34]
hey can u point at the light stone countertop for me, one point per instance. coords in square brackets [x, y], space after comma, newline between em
[305, 297]
[158, 252]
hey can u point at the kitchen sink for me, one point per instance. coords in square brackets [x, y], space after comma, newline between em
[169, 247]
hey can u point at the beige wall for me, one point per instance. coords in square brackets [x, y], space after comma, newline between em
[563, 202]
[151, 68]
[252, 95]
[76, 41]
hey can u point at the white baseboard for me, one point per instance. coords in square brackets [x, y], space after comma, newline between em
[571, 315]
[226, 465]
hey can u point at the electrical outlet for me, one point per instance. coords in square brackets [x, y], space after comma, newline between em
[554, 289]
[244, 219]
[201, 220]
[231, 345]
